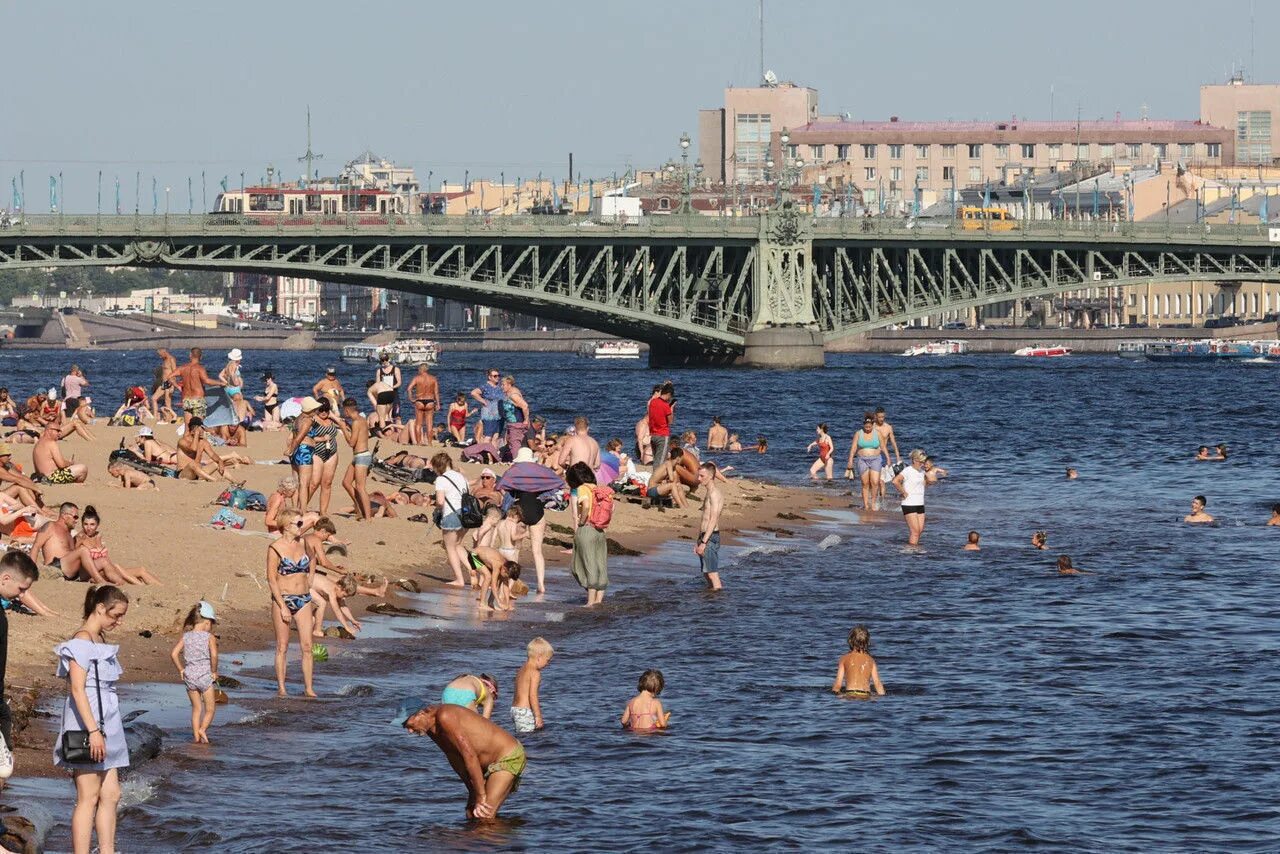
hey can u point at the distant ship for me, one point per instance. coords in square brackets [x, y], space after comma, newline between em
[411, 351]
[610, 349]
[1043, 352]
[938, 348]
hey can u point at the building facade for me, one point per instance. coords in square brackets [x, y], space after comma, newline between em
[1251, 111]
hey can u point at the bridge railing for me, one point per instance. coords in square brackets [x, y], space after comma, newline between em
[1096, 230]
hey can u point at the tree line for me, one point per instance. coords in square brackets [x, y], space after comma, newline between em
[86, 282]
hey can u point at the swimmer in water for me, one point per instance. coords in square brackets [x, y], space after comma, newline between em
[1202, 454]
[825, 461]
[1274, 521]
[856, 673]
[735, 444]
[1197, 516]
[1222, 453]
[972, 545]
[1040, 540]
[1072, 474]
[762, 445]
[1065, 567]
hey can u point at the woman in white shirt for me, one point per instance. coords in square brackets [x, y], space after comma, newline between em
[451, 485]
[910, 482]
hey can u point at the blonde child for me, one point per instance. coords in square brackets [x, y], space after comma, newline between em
[644, 711]
[857, 672]
[327, 593]
[199, 648]
[526, 713]
[501, 596]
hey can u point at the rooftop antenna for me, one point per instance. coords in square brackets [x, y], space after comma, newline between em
[762, 40]
[310, 155]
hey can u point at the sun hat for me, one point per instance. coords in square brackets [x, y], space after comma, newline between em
[310, 404]
[524, 455]
[145, 431]
[235, 355]
[207, 612]
[488, 473]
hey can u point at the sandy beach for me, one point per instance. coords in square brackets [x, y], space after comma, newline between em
[168, 532]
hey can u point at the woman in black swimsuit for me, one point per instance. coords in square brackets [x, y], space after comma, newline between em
[324, 453]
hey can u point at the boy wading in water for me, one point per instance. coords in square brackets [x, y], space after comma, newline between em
[526, 713]
[486, 758]
[857, 673]
[708, 545]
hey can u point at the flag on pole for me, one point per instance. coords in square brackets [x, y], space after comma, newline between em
[1095, 199]
[13, 182]
[880, 193]
[223, 183]
[155, 197]
[1263, 213]
[190, 200]
[118, 210]
[986, 195]
[817, 196]
[53, 194]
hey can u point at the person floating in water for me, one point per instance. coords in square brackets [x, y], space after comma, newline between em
[1040, 540]
[644, 712]
[1197, 516]
[1274, 521]
[972, 545]
[1065, 567]
[486, 758]
[856, 674]
[1072, 474]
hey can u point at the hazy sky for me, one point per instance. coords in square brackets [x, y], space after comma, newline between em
[171, 88]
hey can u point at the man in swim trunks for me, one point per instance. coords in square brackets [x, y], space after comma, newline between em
[54, 547]
[356, 429]
[50, 465]
[424, 391]
[580, 447]
[486, 758]
[193, 449]
[885, 429]
[1197, 516]
[330, 388]
[707, 547]
[194, 379]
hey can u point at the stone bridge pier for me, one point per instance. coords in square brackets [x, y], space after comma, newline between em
[784, 331]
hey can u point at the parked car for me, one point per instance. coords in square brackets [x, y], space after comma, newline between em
[1225, 322]
[955, 324]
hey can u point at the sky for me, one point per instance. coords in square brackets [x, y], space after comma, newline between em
[167, 90]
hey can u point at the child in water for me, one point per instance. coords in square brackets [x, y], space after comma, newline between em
[856, 673]
[526, 713]
[644, 711]
[199, 648]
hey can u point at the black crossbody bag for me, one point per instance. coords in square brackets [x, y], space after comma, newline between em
[75, 742]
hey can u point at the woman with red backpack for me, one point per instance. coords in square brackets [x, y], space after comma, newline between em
[592, 510]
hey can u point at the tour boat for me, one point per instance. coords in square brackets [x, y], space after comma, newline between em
[611, 350]
[1132, 349]
[411, 351]
[1043, 352]
[1205, 350]
[938, 348]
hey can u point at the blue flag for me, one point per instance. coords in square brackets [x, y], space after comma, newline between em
[1095, 199]
[53, 194]
[1262, 209]
[13, 182]
[817, 196]
[986, 195]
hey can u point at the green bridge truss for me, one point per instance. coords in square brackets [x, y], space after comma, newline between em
[686, 284]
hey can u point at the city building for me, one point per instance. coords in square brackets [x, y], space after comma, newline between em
[736, 141]
[297, 298]
[1251, 110]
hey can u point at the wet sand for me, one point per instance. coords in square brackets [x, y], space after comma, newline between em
[168, 532]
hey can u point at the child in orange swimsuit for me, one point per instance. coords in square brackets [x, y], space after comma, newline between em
[644, 712]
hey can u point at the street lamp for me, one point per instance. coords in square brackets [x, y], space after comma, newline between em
[686, 203]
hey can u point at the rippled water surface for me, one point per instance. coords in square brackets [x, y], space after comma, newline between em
[1133, 709]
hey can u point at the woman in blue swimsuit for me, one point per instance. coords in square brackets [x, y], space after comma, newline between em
[299, 451]
[870, 455]
[290, 570]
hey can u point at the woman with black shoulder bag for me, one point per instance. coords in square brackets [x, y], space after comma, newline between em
[91, 743]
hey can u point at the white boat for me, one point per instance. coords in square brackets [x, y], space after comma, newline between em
[1131, 349]
[1043, 352]
[612, 350]
[411, 351]
[938, 348]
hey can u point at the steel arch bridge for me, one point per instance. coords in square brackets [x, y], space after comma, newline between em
[692, 287]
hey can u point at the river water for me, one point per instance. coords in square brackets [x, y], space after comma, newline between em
[1132, 709]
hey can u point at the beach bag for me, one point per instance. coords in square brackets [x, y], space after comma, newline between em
[75, 742]
[227, 519]
[601, 508]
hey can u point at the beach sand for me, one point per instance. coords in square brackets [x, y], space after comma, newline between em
[168, 532]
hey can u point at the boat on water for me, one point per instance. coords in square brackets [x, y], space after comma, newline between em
[938, 348]
[1040, 352]
[610, 349]
[1132, 349]
[410, 351]
[1200, 351]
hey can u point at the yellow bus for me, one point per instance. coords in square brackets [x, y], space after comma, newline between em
[986, 219]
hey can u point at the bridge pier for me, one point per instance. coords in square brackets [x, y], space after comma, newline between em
[784, 348]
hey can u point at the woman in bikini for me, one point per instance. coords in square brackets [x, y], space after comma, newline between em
[825, 446]
[324, 453]
[270, 400]
[299, 450]
[90, 538]
[234, 385]
[459, 412]
[290, 575]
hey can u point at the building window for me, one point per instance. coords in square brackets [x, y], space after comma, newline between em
[868, 152]
[895, 173]
[922, 151]
[948, 173]
[922, 173]
[895, 152]
[975, 151]
[975, 174]
[817, 152]
[1253, 136]
[793, 151]
[1002, 152]
[1186, 150]
[869, 173]
[752, 133]
[1082, 151]
[1055, 151]
[1135, 151]
[1161, 150]
[1106, 151]
[664, 204]
[949, 151]
[842, 152]
[1028, 150]
[1213, 149]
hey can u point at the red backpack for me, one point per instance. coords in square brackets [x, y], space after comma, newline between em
[601, 507]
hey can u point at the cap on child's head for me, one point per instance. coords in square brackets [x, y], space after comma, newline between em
[207, 612]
